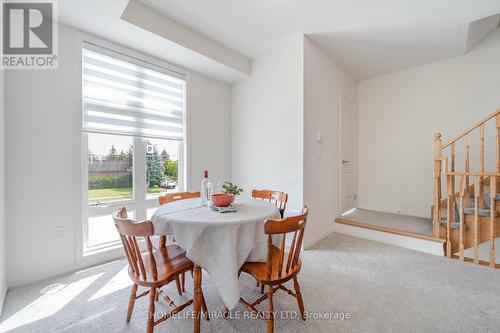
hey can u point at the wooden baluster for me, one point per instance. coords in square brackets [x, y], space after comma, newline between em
[498, 141]
[461, 212]
[452, 163]
[467, 158]
[452, 169]
[448, 215]
[497, 126]
[437, 184]
[467, 169]
[481, 166]
[493, 191]
[476, 221]
[481, 148]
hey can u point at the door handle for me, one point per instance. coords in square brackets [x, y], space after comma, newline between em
[345, 162]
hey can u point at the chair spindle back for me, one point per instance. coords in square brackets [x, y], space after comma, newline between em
[130, 231]
[292, 224]
[277, 198]
[164, 199]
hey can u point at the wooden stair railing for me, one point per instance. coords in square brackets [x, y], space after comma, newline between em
[472, 231]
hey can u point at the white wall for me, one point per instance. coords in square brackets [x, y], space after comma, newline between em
[209, 105]
[267, 123]
[3, 282]
[293, 93]
[324, 83]
[43, 135]
[399, 113]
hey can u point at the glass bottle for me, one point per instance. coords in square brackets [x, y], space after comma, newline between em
[206, 189]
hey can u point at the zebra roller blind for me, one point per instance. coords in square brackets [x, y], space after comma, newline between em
[124, 95]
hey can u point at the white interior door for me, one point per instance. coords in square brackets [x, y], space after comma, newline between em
[348, 155]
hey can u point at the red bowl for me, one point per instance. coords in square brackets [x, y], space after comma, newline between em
[222, 199]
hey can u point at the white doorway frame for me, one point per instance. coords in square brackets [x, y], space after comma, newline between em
[341, 97]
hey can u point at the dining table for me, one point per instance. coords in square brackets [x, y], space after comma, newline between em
[219, 242]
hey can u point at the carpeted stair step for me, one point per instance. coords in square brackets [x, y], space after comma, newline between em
[453, 225]
[482, 212]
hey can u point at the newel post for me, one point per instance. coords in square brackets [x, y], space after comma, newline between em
[437, 184]
[497, 126]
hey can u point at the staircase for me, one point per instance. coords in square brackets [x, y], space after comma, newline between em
[468, 214]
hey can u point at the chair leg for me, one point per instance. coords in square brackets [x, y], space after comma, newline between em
[270, 319]
[163, 241]
[131, 302]
[300, 302]
[204, 308]
[197, 299]
[151, 314]
[178, 285]
[183, 282]
[261, 288]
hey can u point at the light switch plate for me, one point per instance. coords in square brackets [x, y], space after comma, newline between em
[60, 232]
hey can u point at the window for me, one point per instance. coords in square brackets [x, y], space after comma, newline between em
[102, 231]
[162, 162]
[110, 168]
[133, 134]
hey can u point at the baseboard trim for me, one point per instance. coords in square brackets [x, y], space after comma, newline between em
[317, 239]
[3, 296]
[412, 243]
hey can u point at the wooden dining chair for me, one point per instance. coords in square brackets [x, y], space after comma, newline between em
[165, 199]
[169, 197]
[279, 267]
[154, 269]
[276, 197]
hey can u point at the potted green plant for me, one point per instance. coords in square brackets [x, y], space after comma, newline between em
[231, 188]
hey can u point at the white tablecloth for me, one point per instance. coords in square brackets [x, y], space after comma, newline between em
[219, 243]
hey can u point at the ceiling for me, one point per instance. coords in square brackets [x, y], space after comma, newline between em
[367, 38]
[103, 18]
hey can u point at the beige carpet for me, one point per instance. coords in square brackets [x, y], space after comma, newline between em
[383, 288]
